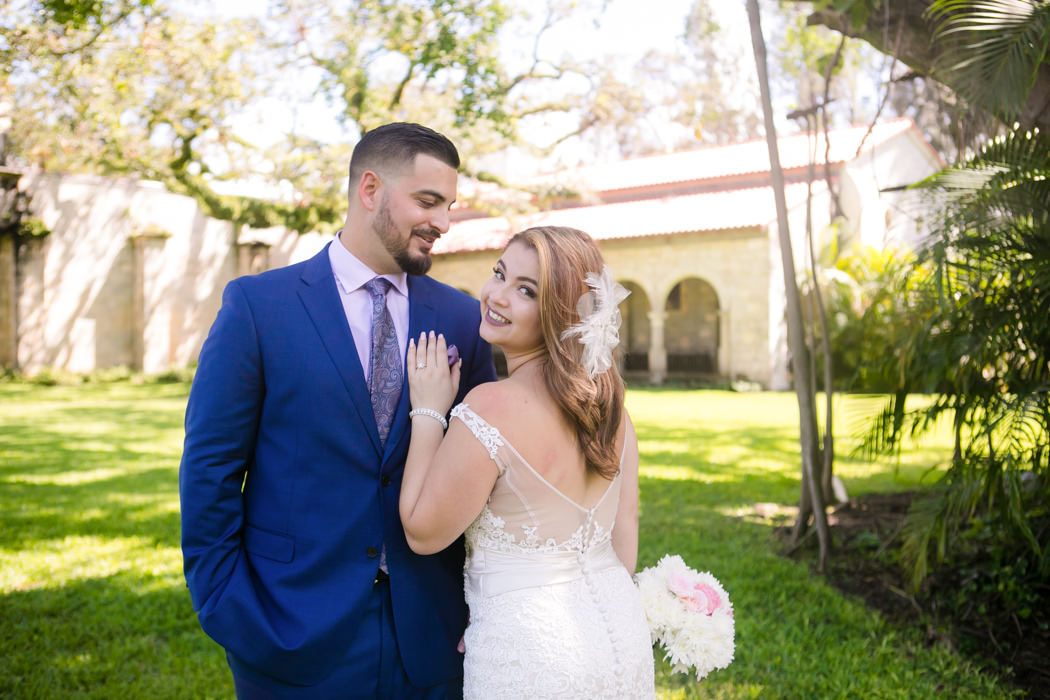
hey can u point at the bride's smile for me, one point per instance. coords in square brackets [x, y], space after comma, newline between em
[510, 303]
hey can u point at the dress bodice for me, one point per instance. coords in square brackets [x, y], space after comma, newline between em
[530, 533]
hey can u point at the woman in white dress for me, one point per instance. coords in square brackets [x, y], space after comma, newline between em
[540, 470]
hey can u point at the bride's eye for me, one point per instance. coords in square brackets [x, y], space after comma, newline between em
[497, 273]
[527, 292]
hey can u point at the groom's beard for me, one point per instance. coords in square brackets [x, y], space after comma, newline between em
[414, 264]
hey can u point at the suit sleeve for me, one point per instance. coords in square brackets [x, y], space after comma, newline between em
[222, 418]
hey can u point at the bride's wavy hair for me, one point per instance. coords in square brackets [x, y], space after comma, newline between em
[593, 405]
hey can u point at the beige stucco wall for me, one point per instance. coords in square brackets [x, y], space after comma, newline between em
[131, 275]
[8, 291]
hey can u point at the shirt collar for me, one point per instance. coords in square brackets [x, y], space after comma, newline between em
[352, 274]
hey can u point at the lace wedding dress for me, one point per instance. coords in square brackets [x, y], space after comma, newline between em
[553, 612]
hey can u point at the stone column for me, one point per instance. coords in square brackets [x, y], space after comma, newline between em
[8, 295]
[12, 208]
[725, 346]
[657, 349]
[151, 310]
[252, 258]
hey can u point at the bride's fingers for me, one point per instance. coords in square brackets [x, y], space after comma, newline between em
[441, 351]
[431, 350]
[421, 350]
[456, 367]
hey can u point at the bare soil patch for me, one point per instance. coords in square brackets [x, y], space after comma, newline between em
[866, 533]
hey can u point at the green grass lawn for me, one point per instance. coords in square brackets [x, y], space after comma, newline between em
[93, 604]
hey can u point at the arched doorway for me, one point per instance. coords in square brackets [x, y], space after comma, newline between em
[635, 333]
[691, 328]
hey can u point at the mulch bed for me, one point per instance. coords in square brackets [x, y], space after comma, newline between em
[866, 532]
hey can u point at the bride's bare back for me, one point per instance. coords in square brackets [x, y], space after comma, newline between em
[531, 420]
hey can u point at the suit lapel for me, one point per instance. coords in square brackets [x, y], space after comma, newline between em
[320, 296]
[422, 316]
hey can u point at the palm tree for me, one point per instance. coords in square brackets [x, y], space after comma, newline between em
[982, 347]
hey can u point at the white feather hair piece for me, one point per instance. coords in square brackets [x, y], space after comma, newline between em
[599, 326]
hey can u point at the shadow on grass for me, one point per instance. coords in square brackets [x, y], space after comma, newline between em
[101, 465]
[796, 637]
[122, 636]
[756, 463]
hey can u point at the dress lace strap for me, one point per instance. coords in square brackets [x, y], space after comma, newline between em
[485, 433]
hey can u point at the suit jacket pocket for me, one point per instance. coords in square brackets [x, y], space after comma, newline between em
[271, 545]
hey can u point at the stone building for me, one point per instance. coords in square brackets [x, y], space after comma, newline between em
[693, 236]
[132, 275]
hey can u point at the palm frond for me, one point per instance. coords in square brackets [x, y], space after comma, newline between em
[999, 46]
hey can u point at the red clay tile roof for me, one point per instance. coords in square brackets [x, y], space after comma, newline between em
[710, 211]
[740, 208]
[723, 161]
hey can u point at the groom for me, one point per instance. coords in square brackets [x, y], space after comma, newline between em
[296, 433]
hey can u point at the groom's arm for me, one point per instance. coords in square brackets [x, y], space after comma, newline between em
[222, 418]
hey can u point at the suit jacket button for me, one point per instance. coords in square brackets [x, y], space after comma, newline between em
[385, 481]
[372, 552]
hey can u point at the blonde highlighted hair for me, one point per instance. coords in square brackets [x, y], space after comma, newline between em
[594, 406]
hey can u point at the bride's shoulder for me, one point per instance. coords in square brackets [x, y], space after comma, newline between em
[490, 395]
[492, 400]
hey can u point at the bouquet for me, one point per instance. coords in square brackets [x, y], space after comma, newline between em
[689, 613]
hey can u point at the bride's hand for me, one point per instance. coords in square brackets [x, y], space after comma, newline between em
[431, 382]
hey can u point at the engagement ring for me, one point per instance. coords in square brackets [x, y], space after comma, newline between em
[420, 365]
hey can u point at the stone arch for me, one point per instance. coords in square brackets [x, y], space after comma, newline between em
[635, 331]
[692, 333]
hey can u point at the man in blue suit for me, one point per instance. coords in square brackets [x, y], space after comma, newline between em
[292, 544]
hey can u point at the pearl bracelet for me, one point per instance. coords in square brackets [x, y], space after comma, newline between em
[429, 412]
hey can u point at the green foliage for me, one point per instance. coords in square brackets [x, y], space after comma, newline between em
[93, 603]
[984, 347]
[808, 55]
[873, 302]
[857, 11]
[78, 14]
[33, 228]
[998, 45]
[143, 89]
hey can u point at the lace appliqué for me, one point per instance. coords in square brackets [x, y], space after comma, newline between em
[485, 433]
[521, 645]
[489, 531]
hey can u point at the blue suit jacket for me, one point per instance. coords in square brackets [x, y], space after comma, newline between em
[286, 495]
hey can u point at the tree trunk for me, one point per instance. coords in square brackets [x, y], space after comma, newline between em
[796, 332]
[917, 50]
[819, 314]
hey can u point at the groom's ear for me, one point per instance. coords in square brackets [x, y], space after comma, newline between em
[368, 189]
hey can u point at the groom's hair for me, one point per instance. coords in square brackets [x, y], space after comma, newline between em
[392, 148]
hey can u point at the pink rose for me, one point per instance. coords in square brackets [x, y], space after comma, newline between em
[697, 597]
[680, 584]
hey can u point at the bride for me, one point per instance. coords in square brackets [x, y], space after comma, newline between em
[540, 470]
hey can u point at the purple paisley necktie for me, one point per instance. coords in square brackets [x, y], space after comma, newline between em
[384, 382]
